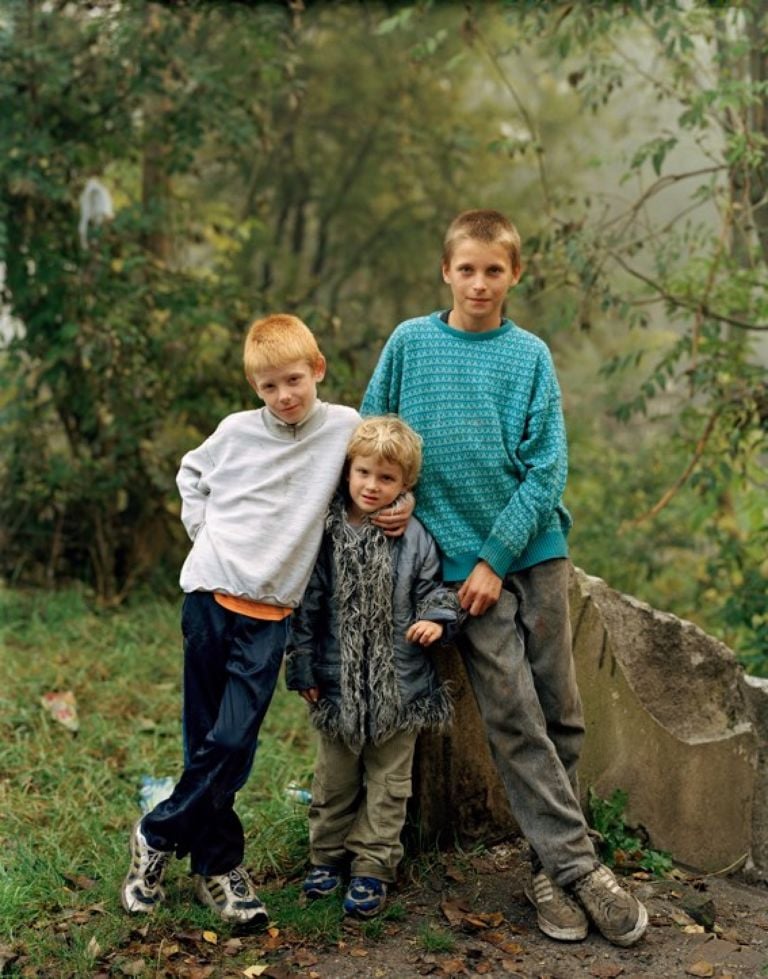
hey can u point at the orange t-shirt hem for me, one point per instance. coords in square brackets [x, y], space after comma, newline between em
[254, 610]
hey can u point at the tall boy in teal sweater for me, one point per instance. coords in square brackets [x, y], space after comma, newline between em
[484, 397]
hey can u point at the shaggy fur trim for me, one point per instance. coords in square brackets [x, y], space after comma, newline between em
[371, 709]
[435, 712]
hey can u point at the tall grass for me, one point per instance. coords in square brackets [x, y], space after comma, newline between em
[67, 801]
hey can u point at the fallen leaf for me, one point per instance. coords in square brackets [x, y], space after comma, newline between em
[484, 920]
[511, 948]
[607, 970]
[454, 911]
[453, 873]
[134, 967]
[7, 955]
[80, 916]
[93, 948]
[452, 967]
[509, 965]
[273, 932]
[694, 929]
[255, 970]
[681, 918]
[211, 937]
[79, 881]
[273, 942]
[484, 967]
[278, 972]
[701, 968]
[358, 953]
[304, 958]
[169, 948]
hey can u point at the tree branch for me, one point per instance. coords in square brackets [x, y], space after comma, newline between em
[701, 308]
[681, 480]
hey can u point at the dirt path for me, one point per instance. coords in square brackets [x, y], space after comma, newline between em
[699, 926]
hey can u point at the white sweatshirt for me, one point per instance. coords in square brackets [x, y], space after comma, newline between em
[254, 498]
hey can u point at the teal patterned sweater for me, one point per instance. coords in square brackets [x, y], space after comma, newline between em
[487, 406]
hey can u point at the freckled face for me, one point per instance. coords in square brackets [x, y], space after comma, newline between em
[290, 391]
[480, 275]
[373, 484]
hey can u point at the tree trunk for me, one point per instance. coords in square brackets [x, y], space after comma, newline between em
[458, 796]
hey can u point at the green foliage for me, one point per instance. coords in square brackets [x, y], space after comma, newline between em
[254, 166]
[619, 846]
[258, 163]
[681, 253]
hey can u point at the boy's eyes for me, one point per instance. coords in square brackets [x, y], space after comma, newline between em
[270, 386]
[493, 270]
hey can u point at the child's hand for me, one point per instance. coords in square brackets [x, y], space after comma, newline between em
[394, 518]
[312, 695]
[423, 632]
[481, 590]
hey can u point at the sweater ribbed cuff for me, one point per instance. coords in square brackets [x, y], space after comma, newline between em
[499, 557]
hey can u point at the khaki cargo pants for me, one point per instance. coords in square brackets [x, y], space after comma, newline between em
[358, 805]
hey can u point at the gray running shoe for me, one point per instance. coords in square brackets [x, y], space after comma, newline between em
[142, 888]
[557, 913]
[232, 896]
[618, 916]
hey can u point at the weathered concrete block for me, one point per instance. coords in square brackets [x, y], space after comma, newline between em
[756, 696]
[671, 719]
[667, 722]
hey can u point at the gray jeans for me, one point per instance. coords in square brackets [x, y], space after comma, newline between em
[520, 663]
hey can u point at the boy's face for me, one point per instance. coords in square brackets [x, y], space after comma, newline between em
[480, 275]
[373, 484]
[290, 391]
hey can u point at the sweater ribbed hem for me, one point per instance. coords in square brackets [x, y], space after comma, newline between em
[543, 548]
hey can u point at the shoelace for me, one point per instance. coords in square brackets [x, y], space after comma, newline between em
[605, 896]
[368, 886]
[155, 867]
[239, 883]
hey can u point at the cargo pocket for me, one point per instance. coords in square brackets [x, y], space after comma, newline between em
[330, 790]
[387, 803]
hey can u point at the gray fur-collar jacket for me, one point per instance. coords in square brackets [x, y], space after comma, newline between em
[348, 634]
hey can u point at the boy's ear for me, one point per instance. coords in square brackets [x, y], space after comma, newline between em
[319, 368]
[444, 271]
[517, 274]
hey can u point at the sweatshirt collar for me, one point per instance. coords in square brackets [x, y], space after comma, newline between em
[294, 433]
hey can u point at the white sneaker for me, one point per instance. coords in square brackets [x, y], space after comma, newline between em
[142, 888]
[232, 896]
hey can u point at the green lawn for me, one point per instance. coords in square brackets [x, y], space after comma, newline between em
[68, 800]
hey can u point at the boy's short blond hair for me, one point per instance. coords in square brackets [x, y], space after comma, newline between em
[492, 227]
[277, 340]
[388, 437]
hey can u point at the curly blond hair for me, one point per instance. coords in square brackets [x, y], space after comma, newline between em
[389, 438]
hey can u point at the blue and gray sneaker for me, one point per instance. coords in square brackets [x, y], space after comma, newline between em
[320, 882]
[365, 897]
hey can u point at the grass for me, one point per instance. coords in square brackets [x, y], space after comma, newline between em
[67, 801]
[436, 940]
